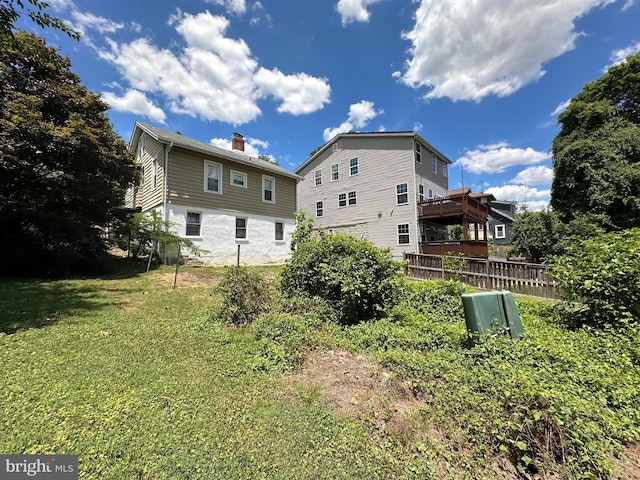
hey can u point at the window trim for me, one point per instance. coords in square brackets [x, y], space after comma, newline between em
[421, 193]
[245, 228]
[501, 227]
[405, 193]
[186, 223]
[142, 145]
[317, 176]
[352, 166]
[336, 172]
[444, 168]
[418, 152]
[208, 163]
[342, 197]
[407, 234]
[273, 189]
[355, 198]
[320, 209]
[154, 173]
[434, 163]
[242, 174]
[276, 223]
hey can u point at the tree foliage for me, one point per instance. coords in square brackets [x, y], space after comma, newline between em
[603, 274]
[62, 167]
[354, 276]
[538, 235]
[596, 154]
[10, 11]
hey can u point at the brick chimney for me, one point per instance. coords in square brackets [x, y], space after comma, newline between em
[237, 142]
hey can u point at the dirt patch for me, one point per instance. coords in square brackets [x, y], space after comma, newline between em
[627, 467]
[357, 388]
[190, 279]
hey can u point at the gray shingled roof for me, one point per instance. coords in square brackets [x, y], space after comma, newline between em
[182, 141]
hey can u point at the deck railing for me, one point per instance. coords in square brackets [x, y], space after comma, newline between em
[486, 274]
[453, 205]
[467, 248]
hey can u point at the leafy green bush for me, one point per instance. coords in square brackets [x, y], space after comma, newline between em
[354, 276]
[245, 295]
[603, 274]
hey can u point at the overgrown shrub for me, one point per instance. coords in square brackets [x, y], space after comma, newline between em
[245, 295]
[354, 276]
[602, 274]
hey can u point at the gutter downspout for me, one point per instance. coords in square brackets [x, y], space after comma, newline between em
[412, 192]
[165, 193]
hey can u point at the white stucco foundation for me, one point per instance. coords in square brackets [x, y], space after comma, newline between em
[218, 236]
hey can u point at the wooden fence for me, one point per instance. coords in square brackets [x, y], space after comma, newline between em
[486, 274]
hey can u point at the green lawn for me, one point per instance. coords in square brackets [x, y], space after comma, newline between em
[130, 376]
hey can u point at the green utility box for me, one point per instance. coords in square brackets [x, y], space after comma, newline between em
[489, 311]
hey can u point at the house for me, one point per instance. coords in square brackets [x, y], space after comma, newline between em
[368, 185]
[221, 200]
[501, 223]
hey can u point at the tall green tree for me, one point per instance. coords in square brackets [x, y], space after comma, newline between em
[538, 235]
[62, 167]
[596, 154]
[11, 10]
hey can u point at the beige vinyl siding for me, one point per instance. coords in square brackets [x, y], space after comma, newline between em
[147, 196]
[186, 186]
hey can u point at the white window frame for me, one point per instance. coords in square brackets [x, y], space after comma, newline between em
[434, 163]
[317, 175]
[421, 193]
[142, 145]
[353, 166]
[418, 152]
[405, 193]
[335, 147]
[142, 175]
[403, 233]
[154, 173]
[335, 172]
[235, 173]
[245, 228]
[445, 169]
[281, 223]
[353, 195]
[319, 209]
[187, 224]
[342, 197]
[502, 229]
[272, 190]
[431, 193]
[208, 164]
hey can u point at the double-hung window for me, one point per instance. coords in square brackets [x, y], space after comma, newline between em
[342, 200]
[402, 195]
[421, 193]
[154, 173]
[501, 231]
[193, 224]
[434, 164]
[241, 228]
[335, 173]
[354, 166]
[142, 145]
[319, 209]
[352, 198]
[318, 177]
[212, 177]
[268, 189]
[418, 153]
[444, 168]
[403, 234]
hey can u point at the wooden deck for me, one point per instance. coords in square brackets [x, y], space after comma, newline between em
[467, 248]
[453, 209]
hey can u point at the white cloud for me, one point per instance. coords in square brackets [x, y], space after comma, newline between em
[539, 175]
[560, 108]
[628, 4]
[619, 56]
[233, 6]
[354, 10]
[84, 21]
[521, 194]
[496, 158]
[136, 102]
[360, 114]
[214, 77]
[300, 93]
[468, 50]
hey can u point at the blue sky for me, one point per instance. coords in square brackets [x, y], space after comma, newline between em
[482, 80]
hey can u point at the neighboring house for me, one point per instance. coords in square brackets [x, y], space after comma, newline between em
[219, 199]
[501, 221]
[368, 185]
